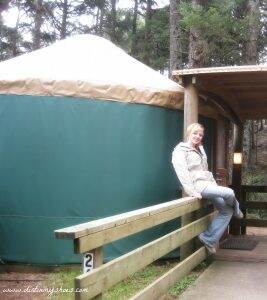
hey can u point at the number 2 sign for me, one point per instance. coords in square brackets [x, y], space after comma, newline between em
[88, 262]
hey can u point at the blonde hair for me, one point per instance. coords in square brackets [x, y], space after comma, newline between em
[193, 127]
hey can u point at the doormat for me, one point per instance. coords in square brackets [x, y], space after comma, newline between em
[239, 244]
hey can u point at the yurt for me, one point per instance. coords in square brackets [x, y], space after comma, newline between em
[86, 131]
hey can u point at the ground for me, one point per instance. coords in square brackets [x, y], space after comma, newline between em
[14, 285]
[31, 285]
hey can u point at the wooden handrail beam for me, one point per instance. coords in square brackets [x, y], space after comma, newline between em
[254, 188]
[97, 239]
[255, 204]
[254, 222]
[84, 229]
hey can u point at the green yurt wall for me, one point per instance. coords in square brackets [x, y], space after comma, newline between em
[65, 161]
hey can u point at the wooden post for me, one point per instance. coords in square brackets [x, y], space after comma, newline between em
[220, 143]
[220, 158]
[95, 260]
[243, 208]
[98, 261]
[235, 225]
[190, 106]
[190, 116]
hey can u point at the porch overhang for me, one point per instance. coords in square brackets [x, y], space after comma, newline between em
[240, 91]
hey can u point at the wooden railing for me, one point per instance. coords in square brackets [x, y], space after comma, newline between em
[93, 235]
[246, 204]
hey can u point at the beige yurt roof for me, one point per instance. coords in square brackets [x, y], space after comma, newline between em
[88, 66]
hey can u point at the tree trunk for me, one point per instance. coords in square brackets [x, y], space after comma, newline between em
[175, 37]
[101, 20]
[251, 57]
[63, 29]
[147, 42]
[14, 34]
[197, 46]
[134, 27]
[253, 14]
[38, 20]
[113, 24]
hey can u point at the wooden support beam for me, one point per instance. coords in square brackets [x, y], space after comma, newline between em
[98, 261]
[254, 188]
[221, 135]
[87, 228]
[235, 225]
[255, 204]
[254, 223]
[191, 100]
[190, 105]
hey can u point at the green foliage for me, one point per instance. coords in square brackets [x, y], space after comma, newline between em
[64, 278]
[223, 26]
[161, 37]
[220, 27]
[183, 284]
[124, 290]
[159, 42]
[188, 280]
[137, 281]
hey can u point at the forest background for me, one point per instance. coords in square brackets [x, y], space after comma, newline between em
[165, 35]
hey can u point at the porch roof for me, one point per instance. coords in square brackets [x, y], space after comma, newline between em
[240, 90]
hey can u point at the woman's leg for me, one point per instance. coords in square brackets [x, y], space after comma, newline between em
[213, 191]
[225, 202]
[218, 225]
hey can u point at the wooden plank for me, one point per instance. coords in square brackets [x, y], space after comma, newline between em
[250, 89]
[254, 222]
[118, 269]
[248, 83]
[255, 205]
[222, 70]
[243, 200]
[94, 240]
[190, 106]
[83, 229]
[160, 286]
[254, 188]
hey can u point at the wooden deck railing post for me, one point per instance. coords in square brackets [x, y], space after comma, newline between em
[235, 225]
[91, 260]
[243, 200]
[190, 116]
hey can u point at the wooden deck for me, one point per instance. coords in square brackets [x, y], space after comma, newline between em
[259, 253]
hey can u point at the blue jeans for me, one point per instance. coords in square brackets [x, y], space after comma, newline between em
[227, 205]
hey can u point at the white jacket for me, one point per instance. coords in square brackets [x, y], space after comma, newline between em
[191, 168]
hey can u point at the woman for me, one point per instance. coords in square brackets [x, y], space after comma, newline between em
[190, 163]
